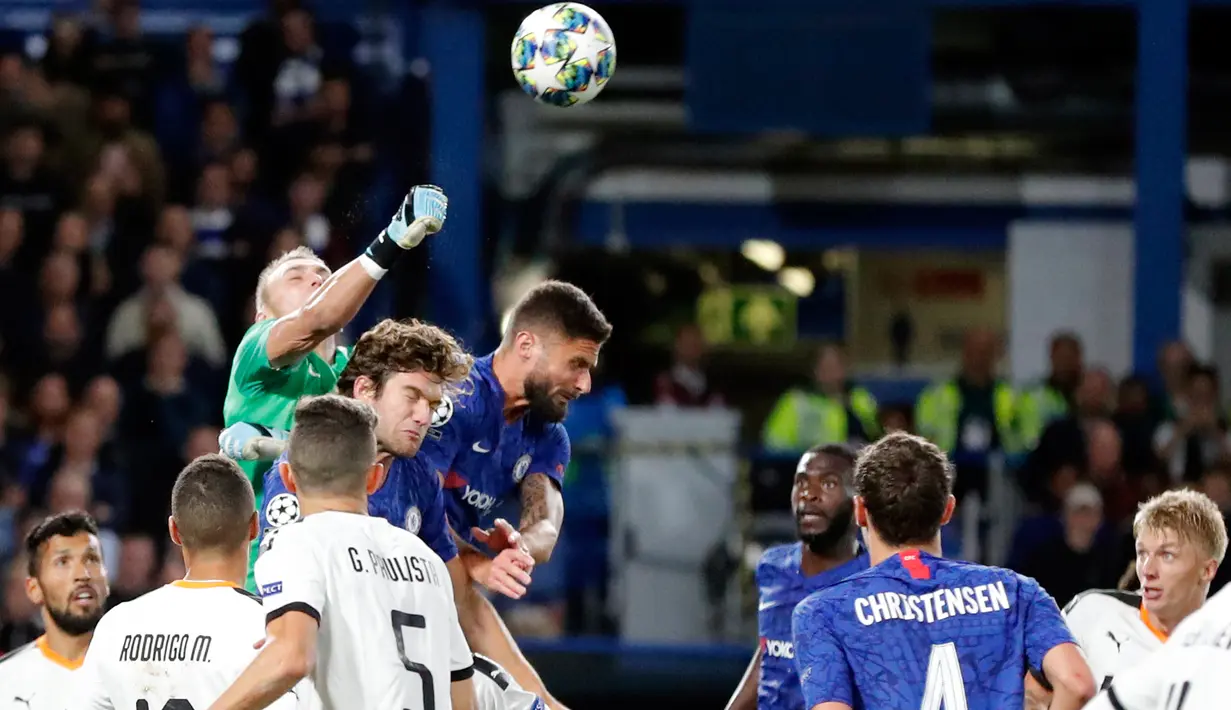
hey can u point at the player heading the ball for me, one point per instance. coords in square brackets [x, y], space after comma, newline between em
[919, 631]
[362, 607]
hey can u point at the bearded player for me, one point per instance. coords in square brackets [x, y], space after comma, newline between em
[402, 369]
[1181, 539]
[916, 630]
[826, 552]
[505, 433]
[291, 352]
[68, 582]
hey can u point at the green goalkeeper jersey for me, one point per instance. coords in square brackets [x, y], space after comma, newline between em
[258, 393]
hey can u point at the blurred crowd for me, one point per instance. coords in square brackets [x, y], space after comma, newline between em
[1061, 463]
[143, 185]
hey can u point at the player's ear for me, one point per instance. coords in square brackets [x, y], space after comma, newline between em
[174, 531]
[288, 480]
[364, 389]
[254, 526]
[376, 478]
[950, 505]
[861, 512]
[525, 341]
[1209, 570]
[34, 592]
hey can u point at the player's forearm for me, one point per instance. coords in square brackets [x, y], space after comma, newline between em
[272, 674]
[745, 697]
[333, 305]
[542, 515]
[488, 636]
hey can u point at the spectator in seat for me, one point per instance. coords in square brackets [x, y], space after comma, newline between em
[135, 574]
[1078, 557]
[124, 59]
[1198, 437]
[19, 619]
[47, 410]
[1175, 360]
[832, 411]
[195, 320]
[28, 184]
[1052, 399]
[686, 384]
[1064, 440]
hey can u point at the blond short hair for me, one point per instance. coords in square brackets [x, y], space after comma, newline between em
[262, 281]
[1190, 515]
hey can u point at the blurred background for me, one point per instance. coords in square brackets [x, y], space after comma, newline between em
[999, 224]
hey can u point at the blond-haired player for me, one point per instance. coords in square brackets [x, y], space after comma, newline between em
[1180, 540]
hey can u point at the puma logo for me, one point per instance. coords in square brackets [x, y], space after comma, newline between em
[1117, 641]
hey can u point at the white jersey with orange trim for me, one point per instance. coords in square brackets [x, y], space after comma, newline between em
[33, 677]
[1189, 673]
[1113, 630]
[175, 648]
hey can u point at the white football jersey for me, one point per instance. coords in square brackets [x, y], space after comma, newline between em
[1113, 631]
[389, 636]
[177, 647]
[34, 677]
[495, 689]
[1190, 672]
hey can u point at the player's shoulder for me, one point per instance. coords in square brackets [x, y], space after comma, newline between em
[778, 560]
[15, 662]
[1099, 602]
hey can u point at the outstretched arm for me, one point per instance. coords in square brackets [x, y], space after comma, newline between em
[542, 515]
[341, 296]
[488, 636]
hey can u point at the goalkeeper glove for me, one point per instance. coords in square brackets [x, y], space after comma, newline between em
[422, 213]
[234, 441]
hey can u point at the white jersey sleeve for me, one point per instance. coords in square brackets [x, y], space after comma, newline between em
[289, 577]
[92, 693]
[495, 689]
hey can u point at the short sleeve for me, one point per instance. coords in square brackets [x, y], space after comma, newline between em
[552, 457]
[824, 674]
[434, 530]
[252, 371]
[91, 691]
[1043, 625]
[288, 579]
[461, 659]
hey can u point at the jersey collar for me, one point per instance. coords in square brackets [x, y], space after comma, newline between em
[41, 644]
[202, 583]
[1145, 619]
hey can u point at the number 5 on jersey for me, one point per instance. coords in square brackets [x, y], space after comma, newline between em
[944, 687]
[401, 620]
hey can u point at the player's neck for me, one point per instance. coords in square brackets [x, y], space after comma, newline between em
[209, 566]
[841, 552]
[66, 646]
[311, 505]
[1166, 620]
[505, 369]
[879, 550]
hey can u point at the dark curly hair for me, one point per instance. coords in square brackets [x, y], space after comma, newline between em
[393, 346]
[67, 524]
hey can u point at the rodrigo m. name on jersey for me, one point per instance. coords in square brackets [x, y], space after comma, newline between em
[482, 458]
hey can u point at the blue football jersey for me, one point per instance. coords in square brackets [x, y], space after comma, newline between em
[409, 498]
[780, 586]
[918, 632]
[481, 458]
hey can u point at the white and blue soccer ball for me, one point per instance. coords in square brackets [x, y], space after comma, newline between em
[563, 54]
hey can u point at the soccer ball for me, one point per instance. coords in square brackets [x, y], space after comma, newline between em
[563, 54]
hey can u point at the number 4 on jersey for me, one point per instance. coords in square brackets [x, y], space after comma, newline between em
[945, 687]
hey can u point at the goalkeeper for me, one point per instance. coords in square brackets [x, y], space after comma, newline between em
[291, 350]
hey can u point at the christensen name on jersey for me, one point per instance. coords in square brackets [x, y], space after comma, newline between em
[933, 606]
[406, 568]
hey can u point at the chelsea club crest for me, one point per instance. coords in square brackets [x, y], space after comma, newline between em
[520, 468]
[414, 519]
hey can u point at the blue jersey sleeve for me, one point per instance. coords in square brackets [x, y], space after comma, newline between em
[824, 673]
[553, 456]
[1044, 626]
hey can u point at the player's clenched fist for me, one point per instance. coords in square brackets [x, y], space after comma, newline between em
[422, 213]
[507, 574]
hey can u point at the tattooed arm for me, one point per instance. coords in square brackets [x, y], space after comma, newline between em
[542, 515]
